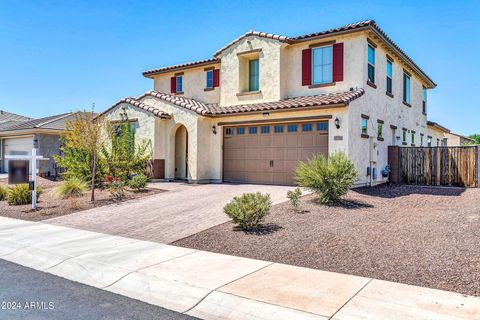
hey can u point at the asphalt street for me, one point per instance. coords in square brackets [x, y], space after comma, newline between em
[30, 294]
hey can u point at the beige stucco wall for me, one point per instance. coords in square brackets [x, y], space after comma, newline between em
[437, 136]
[231, 75]
[146, 123]
[194, 83]
[354, 56]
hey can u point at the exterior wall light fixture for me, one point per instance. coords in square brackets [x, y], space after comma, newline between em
[214, 129]
[337, 123]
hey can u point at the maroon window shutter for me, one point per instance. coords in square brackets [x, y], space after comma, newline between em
[338, 62]
[306, 67]
[173, 84]
[216, 77]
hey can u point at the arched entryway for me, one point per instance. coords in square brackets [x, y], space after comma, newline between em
[181, 153]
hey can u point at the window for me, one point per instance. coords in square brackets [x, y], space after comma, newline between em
[379, 130]
[240, 130]
[404, 136]
[265, 129]
[253, 75]
[424, 100]
[406, 88]
[229, 131]
[322, 126]
[278, 128]
[421, 139]
[429, 141]
[364, 126]
[438, 142]
[252, 130]
[179, 84]
[209, 74]
[292, 128]
[322, 65]
[413, 137]
[307, 127]
[371, 64]
[389, 76]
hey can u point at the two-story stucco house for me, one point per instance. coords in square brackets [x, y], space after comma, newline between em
[265, 102]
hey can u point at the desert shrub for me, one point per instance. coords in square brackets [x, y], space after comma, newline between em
[329, 178]
[294, 197]
[3, 192]
[71, 188]
[116, 187]
[138, 182]
[249, 209]
[20, 194]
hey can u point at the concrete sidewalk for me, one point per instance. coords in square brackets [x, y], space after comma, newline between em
[214, 286]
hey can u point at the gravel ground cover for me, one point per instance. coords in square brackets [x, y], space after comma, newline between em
[416, 235]
[49, 206]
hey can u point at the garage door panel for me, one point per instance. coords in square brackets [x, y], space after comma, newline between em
[321, 140]
[279, 140]
[292, 139]
[307, 140]
[271, 158]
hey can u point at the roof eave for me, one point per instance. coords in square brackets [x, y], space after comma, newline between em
[152, 73]
[409, 61]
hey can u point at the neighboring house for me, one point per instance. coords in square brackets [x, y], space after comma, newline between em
[19, 136]
[437, 135]
[455, 139]
[265, 102]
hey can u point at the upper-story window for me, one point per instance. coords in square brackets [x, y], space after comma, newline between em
[364, 126]
[179, 84]
[424, 100]
[371, 63]
[389, 76]
[209, 75]
[406, 88]
[253, 75]
[322, 65]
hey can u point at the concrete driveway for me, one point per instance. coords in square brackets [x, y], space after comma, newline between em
[169, 216]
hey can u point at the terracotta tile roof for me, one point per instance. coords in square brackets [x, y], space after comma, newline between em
[342, 98]
[253, 33]
[181, 66]
[134, 102]
[187, 103]
[362, 25]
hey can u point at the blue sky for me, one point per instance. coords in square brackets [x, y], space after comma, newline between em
[59, 56]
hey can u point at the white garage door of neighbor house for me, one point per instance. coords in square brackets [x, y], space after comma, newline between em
[17, 147]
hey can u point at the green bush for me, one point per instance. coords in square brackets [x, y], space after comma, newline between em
[249, 209]
[116, 187]
[20, 194]
[294, 197]
[71, 188]
[329, 178]
[138, 182]
[3, 192]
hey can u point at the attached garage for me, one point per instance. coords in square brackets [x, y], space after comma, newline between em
[17, 147]
[269, 153]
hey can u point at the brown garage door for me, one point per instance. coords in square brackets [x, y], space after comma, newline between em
[269, 153]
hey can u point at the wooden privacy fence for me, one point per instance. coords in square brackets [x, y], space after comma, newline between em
[435, 166]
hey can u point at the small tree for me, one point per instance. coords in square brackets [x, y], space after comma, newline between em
[82, 142]
[294, 197]
[122, 157]
[475, 137]
[329, 178]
